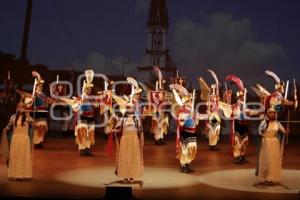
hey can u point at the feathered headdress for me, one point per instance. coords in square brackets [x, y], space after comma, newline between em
[279, 83]
[89, 76]
[205, 89]
[214, 75]
[181, 94]
[38, 77]
[126, 102]
[159, 75]
[182, 90]
[134, 84]
[238, 82]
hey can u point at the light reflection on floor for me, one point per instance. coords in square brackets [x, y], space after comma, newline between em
[159, 178]
[102, 176]
[244, 180]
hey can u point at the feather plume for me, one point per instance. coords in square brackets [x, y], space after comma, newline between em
[177, 97]
[160, 76]
[121, 102]
[182, 90]
[36, 75]
[205, 89]
[214, 75]
[158, 72]
[89, 75]
[226, 108]
[263, 90]
[236, 80]
[133, 82]
[273, 75]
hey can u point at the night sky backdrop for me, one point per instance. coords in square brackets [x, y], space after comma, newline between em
[229, 36]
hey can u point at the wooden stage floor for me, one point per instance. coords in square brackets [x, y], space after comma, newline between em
[59, 173]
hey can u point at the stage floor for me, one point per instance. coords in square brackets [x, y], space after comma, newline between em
[60, 173]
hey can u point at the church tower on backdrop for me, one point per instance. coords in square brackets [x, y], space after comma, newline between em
[157, 52]
[157, 33]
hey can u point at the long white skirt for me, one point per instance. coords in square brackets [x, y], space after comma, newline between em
[20, 155]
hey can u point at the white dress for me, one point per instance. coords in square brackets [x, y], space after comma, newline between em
[20, 154]
[130, 152]
[271, 152]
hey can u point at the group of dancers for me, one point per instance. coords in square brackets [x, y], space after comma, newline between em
[125, 116]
